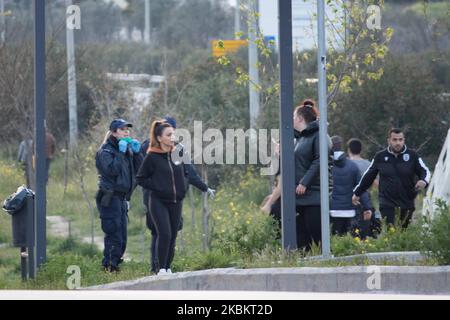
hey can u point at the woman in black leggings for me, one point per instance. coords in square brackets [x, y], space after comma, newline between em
[167, 180]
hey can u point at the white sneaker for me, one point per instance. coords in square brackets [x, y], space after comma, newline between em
[169, 271]
[162, 272]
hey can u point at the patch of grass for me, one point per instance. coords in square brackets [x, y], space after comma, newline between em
[204, 260]
[10, 274]
[5, 228]
[61, 255]
[71, 246]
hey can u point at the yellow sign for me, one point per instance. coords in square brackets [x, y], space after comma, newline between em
[223, 47]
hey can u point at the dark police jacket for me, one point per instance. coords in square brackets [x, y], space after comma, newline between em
[167, 180]
[117, 170]
[307, 165]
[397, 177]
[346, 177]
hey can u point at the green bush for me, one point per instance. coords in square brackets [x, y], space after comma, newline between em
[437, 235]
[238, 225]
[390, 239]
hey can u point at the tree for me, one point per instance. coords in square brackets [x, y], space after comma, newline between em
[404, 97]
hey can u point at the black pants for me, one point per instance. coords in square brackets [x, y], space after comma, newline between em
[405, 216]
[341, 226]
[114, 220]
[151, 227]
[166, 219]
[309, 227]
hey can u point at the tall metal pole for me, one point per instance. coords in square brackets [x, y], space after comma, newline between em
[31, 237]
[39, 125]
[323, 131]
[288, 211]
[72, 85]
[147, 32]
[2, 22]
[253, 63]
[237, 18]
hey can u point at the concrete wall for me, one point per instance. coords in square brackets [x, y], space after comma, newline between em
[358, 279]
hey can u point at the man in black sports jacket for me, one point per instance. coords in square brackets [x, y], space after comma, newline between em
[402, 174]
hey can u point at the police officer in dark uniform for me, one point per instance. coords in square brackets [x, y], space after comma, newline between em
[117, 162]
[402, 174]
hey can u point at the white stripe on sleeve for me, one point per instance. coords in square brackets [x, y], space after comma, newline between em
[428, 176]
[359, 183]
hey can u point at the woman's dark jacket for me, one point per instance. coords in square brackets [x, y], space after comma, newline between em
[307, 165]
[167, 180]
[192, 175]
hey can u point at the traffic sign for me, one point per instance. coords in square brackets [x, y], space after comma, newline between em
[224, 47]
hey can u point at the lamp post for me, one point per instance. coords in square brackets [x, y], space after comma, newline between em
[323, 130]
[147, 32]
[71, 84]
[39, 133]
[289, 239]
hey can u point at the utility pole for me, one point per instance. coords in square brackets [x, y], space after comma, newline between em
[289, 238]
[72, 84]
[148, 28]
[237, 19]
[253, 33]
[323, 129]
[39, 134]
[2, 22]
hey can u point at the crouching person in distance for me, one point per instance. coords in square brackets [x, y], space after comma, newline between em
[117, 161]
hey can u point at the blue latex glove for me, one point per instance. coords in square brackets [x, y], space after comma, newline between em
[123, 145]
[135, 146]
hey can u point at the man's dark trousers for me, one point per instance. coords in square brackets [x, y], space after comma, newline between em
[389, 214]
